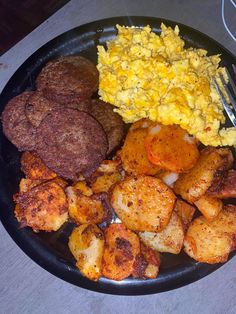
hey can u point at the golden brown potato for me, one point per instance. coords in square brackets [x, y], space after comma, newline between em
[193, 184]
[143, 203]
[133, 153]
[212, 241]
[209, 206]
[43, 207]
[171, 148]
[34, 168]
[82, 187]
[147, 264]
[106, 176]
[168, 240]
[86, 243]
[28, 184]
[122, 246]
[84, 209]
[185, 211]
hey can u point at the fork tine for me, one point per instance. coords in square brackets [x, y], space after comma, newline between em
[225, 104]
[232, 100]
[230, 78]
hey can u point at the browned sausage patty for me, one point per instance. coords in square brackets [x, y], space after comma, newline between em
[68, 79]
[16, 126]
[72, 142]
[111, 121]
[38, 107]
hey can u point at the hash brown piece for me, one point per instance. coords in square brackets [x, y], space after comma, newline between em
[72, 142]
[16, 126]
[68, 79]
[111, 122]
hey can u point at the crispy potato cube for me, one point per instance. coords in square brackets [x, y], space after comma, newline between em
[168, 240]
[106, 176]
[84, 209]
[185, 211]
[212, 241]
[133, 153]
[209, 206]
[43, 207]
[147, 264]
[121, 248]
[143, 203]
[34, 168]
[193, 184]
[86, 243]
[171, 148]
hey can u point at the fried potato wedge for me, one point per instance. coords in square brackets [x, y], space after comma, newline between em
[185, 211]
[84, 209]
[227, 188]
[194, 184]
[106, 176]
[86, 243]
[147, 264]
[143, 203]
[43, 207]
[212, 241]
[171, 148]
[209, 206]
[122, 246]
[133, 153]
[34, 168]
[168, 240]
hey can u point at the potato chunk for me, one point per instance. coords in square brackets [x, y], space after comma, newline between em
[193, 184]
[185, 211]
[43, 207]
[212, 241]
[121, 249]
[143, 203]
[209, 206]
[84, 209]
[171, 148]
[226, 189]
[34, 168]
[86, 243]
[133, 153]
[168, 240]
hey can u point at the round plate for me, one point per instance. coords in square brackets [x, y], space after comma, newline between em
[50, 250]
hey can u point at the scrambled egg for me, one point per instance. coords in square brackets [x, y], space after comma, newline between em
[150, 76]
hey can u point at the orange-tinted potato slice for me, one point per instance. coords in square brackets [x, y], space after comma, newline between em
[121, 248]
[171, 148]
[143, 203]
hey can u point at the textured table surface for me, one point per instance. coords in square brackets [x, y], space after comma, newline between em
[27, 288]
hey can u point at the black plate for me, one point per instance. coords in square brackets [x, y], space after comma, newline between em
[50, 250]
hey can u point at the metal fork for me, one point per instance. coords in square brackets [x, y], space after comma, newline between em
[230, 89]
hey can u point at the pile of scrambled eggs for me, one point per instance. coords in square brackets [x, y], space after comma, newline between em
[150, 76]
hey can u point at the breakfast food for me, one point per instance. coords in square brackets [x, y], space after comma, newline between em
[72, 142]
[68, 79]
[146, 75]
[15, 124]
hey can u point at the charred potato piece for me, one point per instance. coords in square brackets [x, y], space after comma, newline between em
[84, 209]
[121, 248]
[185, 211]
[34, 168]
[43, 207]
[209, 206]
[147, 264]
[168, 240]
[193, 184]
[106, 176]
[86, 243]
[133, 153]
[143, 203]
[212, 241]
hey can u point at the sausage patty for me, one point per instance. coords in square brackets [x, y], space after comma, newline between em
[71, 142]
[16, 126]
[111, 121]
[68, 79]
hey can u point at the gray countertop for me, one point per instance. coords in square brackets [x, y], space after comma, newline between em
[27, 288]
